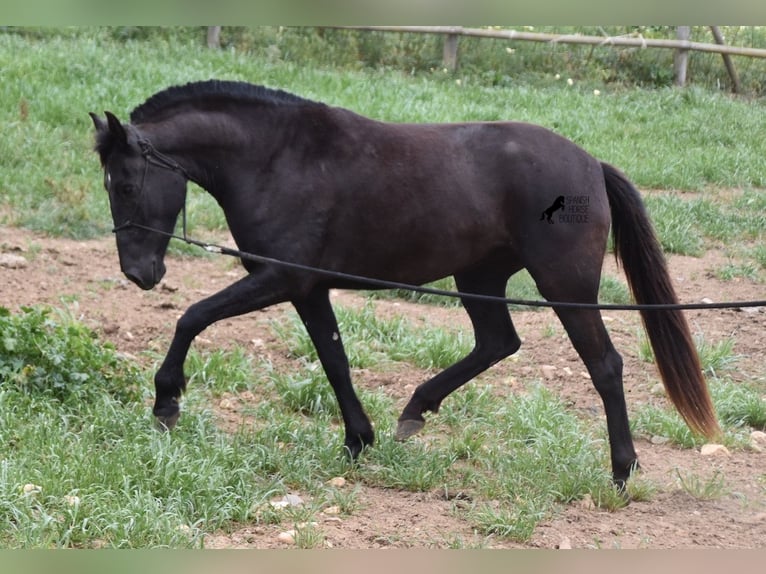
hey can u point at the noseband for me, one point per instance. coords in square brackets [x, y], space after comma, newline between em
[159, 159]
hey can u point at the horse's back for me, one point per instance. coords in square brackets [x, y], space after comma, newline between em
[445, 196]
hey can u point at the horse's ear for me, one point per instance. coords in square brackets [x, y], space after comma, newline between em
[99, 124]
[116, 128]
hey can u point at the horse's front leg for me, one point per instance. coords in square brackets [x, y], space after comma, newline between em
[250, 293]
[319, 319]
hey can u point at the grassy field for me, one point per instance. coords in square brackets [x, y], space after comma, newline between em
[65, 395]
[50, 178]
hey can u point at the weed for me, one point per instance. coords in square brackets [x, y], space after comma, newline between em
[732, 271]
[221, 371]
[370, 340]
[308, 535]
[739, 405]
[711, 488]
[614, 291]
[45, 352]
[514, 519]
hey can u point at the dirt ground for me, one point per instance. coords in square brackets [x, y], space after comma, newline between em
[86, 275]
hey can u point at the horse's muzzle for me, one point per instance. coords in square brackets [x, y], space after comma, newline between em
[148, 277]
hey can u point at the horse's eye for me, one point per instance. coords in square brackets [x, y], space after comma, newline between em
[127, 189]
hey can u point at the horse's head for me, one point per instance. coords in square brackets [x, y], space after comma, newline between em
[146, 191]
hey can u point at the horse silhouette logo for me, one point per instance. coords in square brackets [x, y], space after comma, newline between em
[548, 213]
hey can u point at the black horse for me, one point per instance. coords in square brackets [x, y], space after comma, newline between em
[308, 183]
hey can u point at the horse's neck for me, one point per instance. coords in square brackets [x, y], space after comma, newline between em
[205, 142]
[194, 142]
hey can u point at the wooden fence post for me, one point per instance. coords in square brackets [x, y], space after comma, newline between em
[213, 36]
[726, 60]
[450, 51]
[681, 58]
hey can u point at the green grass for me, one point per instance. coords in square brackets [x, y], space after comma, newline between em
[51, 178]
[146, 488]
[690, 225]
[221, 371]
[700, 488]
[739, 405]
[740, 408]
[370, 340]
[515, 460]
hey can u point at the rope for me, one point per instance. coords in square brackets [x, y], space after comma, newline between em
[384, 284]
[151, 155]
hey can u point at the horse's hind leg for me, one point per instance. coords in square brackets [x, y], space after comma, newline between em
[496, 338]
[591, 341]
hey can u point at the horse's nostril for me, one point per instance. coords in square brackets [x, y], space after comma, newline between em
[140, 281]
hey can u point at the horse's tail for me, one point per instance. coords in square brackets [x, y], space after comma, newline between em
[675, 353]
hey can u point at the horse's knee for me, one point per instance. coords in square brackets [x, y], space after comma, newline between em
[607, 374]
[496, 349]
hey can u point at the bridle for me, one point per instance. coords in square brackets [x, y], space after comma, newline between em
[154, 157]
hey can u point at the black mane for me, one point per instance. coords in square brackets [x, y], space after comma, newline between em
[210, 91]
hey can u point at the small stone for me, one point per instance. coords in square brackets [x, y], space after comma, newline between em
[549, 371]
[32, 489]
[227, 404]
[587, 502]
[714, 450]
[287, 537]
[750, 310]
[331, 510]
[658, 440]
[110, 328]
[706, 301]
[758, 440]
[565, 544]
[10, 261]
[337, 482]
[72, 500]
[287, 500]
[293, 499]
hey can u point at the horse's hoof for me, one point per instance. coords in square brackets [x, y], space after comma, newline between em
[408, 427]
[166, 423]
[355, 445]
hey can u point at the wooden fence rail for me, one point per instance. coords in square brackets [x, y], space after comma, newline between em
[635, 42]
[681, 44]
